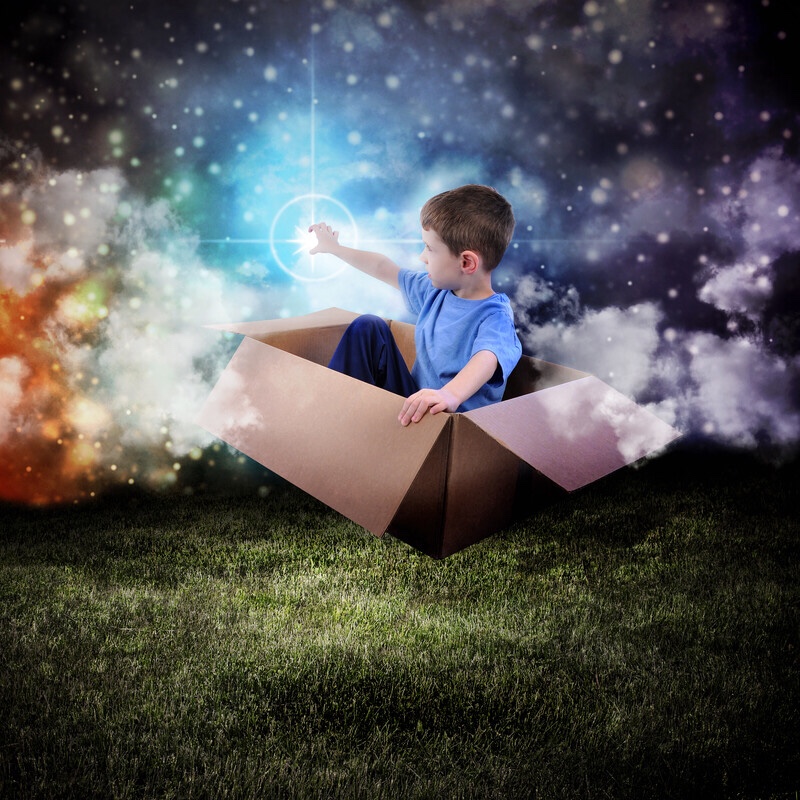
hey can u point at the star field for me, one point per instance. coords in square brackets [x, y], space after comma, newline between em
[157, 161]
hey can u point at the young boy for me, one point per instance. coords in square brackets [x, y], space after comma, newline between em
[465, 338]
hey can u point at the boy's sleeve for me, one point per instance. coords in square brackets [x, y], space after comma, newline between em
[414, 286]
[498, 335]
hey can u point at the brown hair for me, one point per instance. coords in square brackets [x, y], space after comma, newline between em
[472, 217]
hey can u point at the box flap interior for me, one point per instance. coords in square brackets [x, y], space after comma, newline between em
[533, 374]
[575, 432]
[403, 333]
[315, 336]
[266, 328]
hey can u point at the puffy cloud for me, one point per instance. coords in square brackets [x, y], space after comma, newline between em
[73, 209]
[766, 210]
[730, 389]
[742, 394]
[741, 288]
[152, 344]
[615, 344]
[770, 202]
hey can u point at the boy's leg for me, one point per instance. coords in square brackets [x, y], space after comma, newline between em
[368, 351]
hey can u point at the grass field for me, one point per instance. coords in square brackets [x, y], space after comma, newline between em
[638, 639]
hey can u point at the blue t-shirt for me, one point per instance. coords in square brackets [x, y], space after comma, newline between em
[450, 330]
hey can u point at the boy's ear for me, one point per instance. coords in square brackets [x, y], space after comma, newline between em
[470, 262]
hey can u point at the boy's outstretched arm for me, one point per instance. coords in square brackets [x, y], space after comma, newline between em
[374, 264]
[477, 371]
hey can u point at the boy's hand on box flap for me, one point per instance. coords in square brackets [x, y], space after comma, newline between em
[477, 371]
[427, 400]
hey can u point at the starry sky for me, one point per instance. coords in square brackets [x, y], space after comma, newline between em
[160, 161]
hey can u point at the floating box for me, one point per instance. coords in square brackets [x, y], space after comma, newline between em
[443, 483]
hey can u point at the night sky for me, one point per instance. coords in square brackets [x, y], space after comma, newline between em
[160, 161]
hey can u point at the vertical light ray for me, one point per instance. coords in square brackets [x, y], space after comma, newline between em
[313, 116]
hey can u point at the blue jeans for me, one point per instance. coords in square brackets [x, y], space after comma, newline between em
[368, 351]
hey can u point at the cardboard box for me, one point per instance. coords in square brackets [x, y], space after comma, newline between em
[440, 484]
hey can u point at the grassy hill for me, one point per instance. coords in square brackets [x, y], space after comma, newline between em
[637, 639]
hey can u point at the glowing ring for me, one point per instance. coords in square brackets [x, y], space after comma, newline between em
[301, 198]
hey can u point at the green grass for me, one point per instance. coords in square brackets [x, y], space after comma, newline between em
[638, 639]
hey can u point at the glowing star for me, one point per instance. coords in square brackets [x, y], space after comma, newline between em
[290, 240]
[305, 241]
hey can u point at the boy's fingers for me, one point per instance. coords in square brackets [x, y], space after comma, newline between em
[406, 412]
[414, 409]
[422, 409]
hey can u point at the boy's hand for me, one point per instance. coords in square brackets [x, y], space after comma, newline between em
[478, 370]
[427, 400]
[327, 238]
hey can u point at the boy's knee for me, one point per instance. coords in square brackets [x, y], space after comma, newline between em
[367, 324]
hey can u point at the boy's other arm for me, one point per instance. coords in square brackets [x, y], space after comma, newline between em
[374, 264]
[477, 371]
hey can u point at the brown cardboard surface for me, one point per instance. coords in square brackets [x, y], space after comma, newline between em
[465, 487]
[441, 484]
[336, 438]
[482, 481]
[313, 336]
[266, 328]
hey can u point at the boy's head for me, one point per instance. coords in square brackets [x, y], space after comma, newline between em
[471, 217]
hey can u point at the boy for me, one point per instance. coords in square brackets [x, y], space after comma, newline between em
[465, 338]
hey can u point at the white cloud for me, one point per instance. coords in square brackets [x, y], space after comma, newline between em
[770, 201]
[152, 342]
[615, 344]
[742, 288]
[73, 209]
[742, 391]
[127, 299]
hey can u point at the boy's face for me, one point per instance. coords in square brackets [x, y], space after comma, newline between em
[444, 266]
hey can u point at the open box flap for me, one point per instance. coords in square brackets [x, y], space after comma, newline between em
[263, 329]
[306, 423]
[575, 432]
[315, 336]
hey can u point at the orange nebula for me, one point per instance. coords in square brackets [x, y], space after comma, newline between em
[43, 458]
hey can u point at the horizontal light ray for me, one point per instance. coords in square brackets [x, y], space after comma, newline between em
[417, 241]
